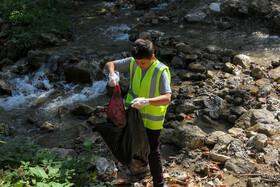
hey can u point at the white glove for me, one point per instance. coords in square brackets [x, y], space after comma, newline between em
[113, 79]
[140, 102]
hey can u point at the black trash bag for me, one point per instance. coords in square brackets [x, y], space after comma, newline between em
[129, 145]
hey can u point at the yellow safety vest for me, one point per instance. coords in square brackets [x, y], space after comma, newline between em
[153, 116]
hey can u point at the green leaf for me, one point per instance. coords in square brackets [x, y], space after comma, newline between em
[43, 184]
[34, 181]
[87, 144]
[53, 171]
[19, 184]
[54, 184]
[45, 162]
[94, 176]
[38, 171]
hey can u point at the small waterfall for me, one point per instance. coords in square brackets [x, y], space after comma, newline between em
[29, 89]
[74, 94]
[117, 33]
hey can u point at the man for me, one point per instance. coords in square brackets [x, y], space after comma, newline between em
[150, 92]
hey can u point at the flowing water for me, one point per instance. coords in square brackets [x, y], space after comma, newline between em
[34, 96]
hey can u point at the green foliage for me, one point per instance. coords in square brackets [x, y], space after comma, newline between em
[30, 18]
[25, 164]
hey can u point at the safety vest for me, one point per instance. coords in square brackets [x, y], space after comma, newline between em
[153, 116]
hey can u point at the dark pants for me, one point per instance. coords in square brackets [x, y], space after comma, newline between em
[155, 157]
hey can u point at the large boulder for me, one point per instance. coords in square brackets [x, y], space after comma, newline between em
[5, 88]
[240, 163]
[188, 136]
[83, 72]
[255, 116]
[185, 108]
[36, 58]
[6, 62]
[242, 60]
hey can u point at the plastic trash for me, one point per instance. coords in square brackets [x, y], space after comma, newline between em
[129, 145]
[115, 111]
[106, 168]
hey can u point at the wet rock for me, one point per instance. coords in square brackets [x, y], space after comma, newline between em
[182, 47]
[185, 75]
[145, 35]
[258, 141]
[36, 58]
[191, 57]
[49, 39]
[275, 74]
[188, 136]
[6, 62]
[83, 110]
[257, 73]
[167, 53]
[260, 6]
[240, 163]
[47, 126]
[195, 17]
[242, 60]
[79, 73]
[64, 111]
[155, 21]
[228, 67]
[222, 93]
[227, 53]
[196, 67]
[226, 59]
[231, 118]
[5, 88]
[53, 77]
[210, 74]
[275, 64]
[177, 62]
[213, 49]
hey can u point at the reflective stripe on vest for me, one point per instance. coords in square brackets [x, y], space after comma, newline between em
[153, 116]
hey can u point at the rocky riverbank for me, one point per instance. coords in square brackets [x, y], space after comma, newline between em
[222, 127]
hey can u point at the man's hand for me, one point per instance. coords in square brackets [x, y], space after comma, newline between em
[113, 79]
[140, 102]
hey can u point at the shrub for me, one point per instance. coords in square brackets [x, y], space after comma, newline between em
[23, 163]
[30, 18]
